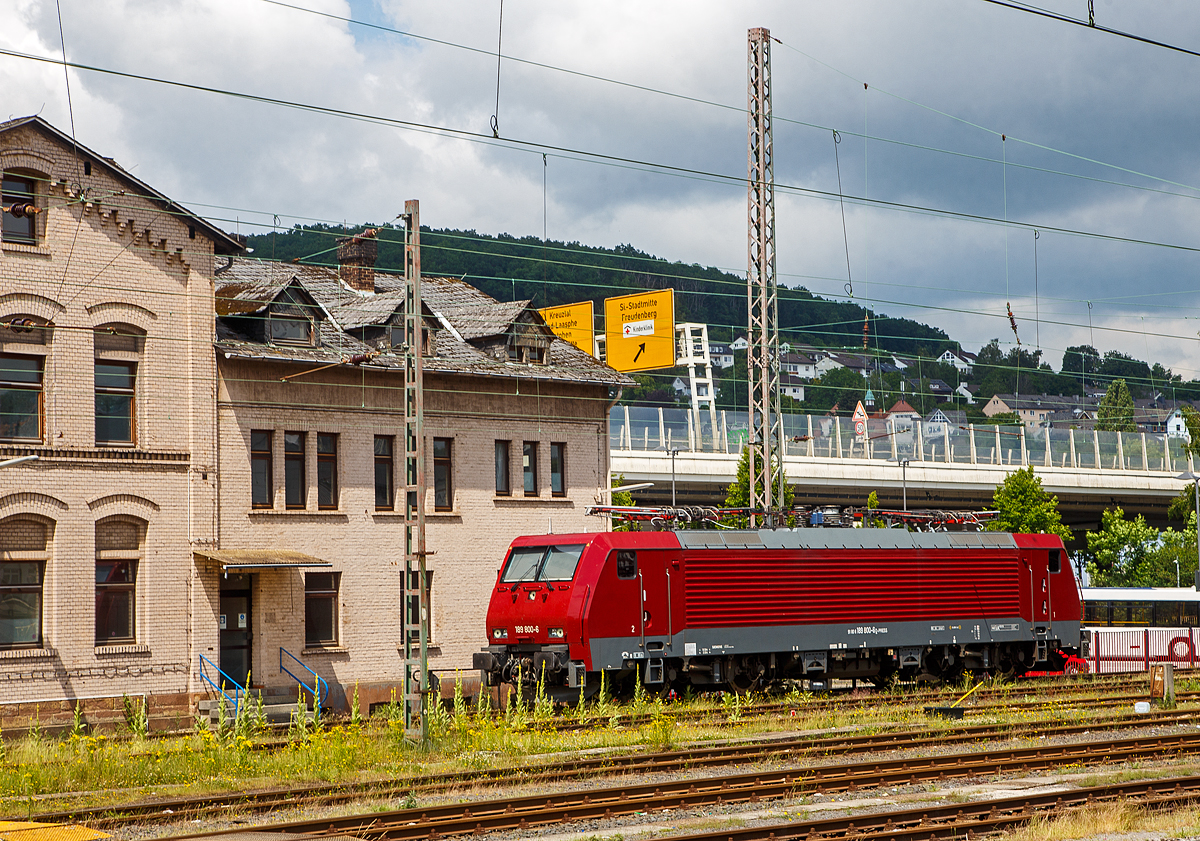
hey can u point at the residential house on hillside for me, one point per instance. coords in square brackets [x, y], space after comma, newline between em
[903, 416]
[941, 420]
[941, 390]
[740, 343]
[721, 355]
[799, 365]
[792, 386]
[1177, 427]
[859, 363]
[313, 464]
[960, 359]
[1037, 410]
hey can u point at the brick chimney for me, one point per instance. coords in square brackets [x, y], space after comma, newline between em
[356, 260]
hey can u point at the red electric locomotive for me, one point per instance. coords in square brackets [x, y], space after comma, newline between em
[740, 609]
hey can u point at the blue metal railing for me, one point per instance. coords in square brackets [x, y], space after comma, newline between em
[238, 692]
[318, 681]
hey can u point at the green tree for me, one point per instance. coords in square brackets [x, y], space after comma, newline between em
[1025, 507]
[841, 387]
[1081, 362]
[1136, 373]
[1130, 553]
[621, 498]
[1115, 413]
[737, 495]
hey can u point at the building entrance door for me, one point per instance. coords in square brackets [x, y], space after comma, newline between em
[237, 633]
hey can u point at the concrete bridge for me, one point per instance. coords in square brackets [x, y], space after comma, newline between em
[935, 466]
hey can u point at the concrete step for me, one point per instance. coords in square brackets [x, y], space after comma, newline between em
[274, 713]
[272, 695]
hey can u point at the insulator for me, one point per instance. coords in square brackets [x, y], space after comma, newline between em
[22, 209]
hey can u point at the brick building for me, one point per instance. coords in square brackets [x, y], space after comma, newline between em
[516, 443]
[106, 375]
[201, 491]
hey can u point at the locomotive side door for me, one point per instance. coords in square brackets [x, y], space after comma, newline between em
[628, 614]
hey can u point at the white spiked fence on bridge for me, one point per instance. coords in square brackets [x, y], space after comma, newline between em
[816, 436]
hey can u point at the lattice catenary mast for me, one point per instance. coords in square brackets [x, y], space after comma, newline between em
[762, 351]
[414, 610]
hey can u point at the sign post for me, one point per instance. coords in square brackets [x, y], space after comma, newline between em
[572, 323]
[639, 331]
[860, 422]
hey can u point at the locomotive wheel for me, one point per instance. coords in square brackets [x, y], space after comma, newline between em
[743, 684]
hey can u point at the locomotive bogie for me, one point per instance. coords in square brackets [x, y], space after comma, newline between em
[744, 610]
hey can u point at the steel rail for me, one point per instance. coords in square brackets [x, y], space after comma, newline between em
[760, 710]
[522, 813]
[964, 820]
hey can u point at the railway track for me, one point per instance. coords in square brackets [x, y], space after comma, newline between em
[963, 820]
[527, 812]
[983, 703]
[793, 750]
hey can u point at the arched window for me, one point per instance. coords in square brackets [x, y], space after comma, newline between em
[120, 542]
[22, 204]
[118, 349]
[24, 551]
[23, 345]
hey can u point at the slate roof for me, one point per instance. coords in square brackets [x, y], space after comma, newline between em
[248, 286]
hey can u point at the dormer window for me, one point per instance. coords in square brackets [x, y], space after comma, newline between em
[526, 352]
[290, 331]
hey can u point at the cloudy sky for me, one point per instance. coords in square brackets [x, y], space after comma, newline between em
[1102, 152]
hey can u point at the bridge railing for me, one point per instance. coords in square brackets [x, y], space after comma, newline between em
[636, 428]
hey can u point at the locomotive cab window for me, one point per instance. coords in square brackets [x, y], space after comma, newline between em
[1055, 560]
[626, 563]
[542, 563]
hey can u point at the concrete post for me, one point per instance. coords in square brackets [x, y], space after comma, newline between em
[999, 459]
[626, 432]
[810, 435]
[1024, 452]
[971, 438]
[691, 433]
[920, 442]
[662, 430]
[1096, 447]
[1049, 460]
[837, 433]
[891, 430]
[946, 439]
[1145, 455]
[1120, 451]
[1071, 437]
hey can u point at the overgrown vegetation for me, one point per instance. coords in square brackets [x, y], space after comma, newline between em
[103, 768]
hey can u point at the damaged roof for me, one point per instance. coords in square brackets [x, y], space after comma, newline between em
[457, 312]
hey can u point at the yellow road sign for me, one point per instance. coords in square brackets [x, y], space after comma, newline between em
[572, 323]
[639, 331]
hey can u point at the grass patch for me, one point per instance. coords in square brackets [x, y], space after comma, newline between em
[1107, 818]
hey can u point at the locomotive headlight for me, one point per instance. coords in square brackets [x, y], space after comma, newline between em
[499, 633]
[556, 633]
